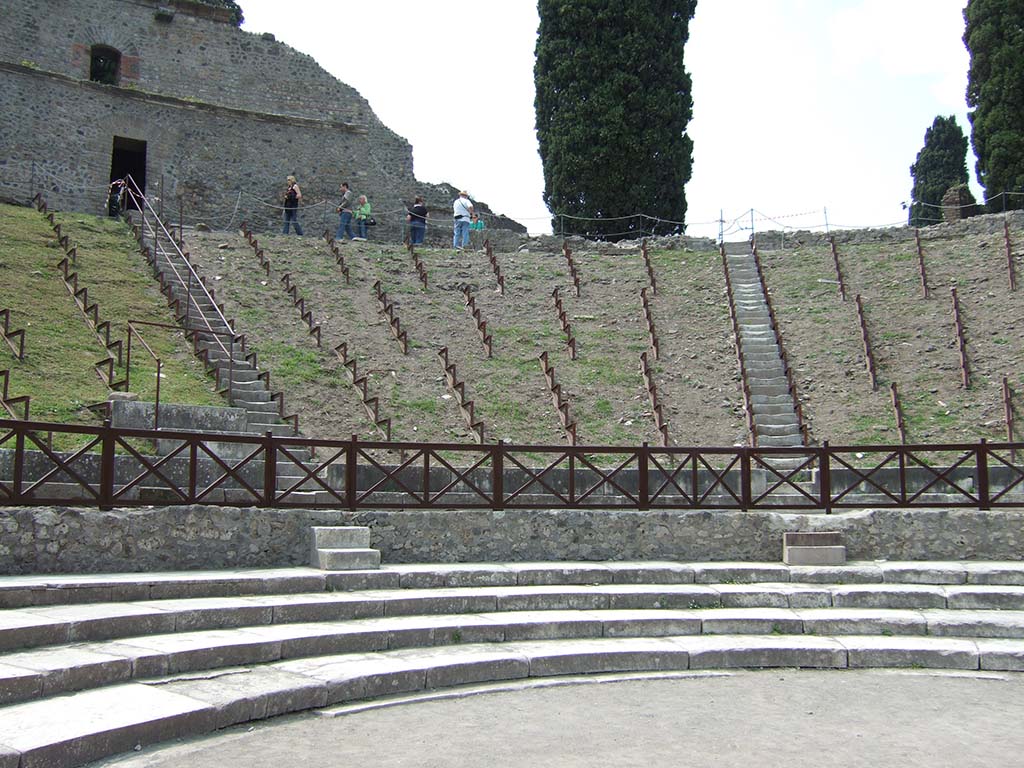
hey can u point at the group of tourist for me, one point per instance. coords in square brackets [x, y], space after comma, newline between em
[464, 217]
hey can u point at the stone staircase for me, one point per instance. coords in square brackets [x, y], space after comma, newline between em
[99, 664]
[774, 415]
[238, 375]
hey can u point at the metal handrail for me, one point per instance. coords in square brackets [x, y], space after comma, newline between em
[193, 277]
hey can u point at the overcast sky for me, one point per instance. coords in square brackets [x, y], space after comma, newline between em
[800, 106]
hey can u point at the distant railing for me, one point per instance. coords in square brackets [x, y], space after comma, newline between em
[132, 467]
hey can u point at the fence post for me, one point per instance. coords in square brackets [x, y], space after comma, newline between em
[269, 469]
[350, 474]
[984, 499]
[746, 493]
[498, 476]
[19, 460]
[106, 500]
[643, 488]
[825, 477]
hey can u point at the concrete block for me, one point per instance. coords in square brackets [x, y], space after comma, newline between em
[446, 667]
[575, 657]
[347, 559]
[906, 651]
[52, 734]
[797, 555]
[726, 651]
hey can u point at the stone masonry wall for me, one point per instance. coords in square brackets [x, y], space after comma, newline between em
[65, 540]
[226, 115]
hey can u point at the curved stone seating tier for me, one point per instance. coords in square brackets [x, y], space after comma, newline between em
[92, 665]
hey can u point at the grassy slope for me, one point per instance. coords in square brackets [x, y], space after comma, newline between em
[61, 347]
[696, 374]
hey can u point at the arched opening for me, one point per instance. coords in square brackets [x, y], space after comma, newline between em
[105, 65]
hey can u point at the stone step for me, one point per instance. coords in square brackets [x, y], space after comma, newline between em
[348, 559]
[341, 536]
[33, 674]
[791, 441]
[122, 717]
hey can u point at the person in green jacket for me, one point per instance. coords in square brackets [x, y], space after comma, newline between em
[362, 217]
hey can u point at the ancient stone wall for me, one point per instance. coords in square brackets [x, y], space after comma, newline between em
[64, 540]
[225, 115]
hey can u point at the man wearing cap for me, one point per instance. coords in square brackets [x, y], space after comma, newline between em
[462, 211]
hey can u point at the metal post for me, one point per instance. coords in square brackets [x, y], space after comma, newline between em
[498, 476]
[826, 221]
[269, 469]
[825, 477]
[984, 500]
[350, 474]
[106, 496]
[643, 488]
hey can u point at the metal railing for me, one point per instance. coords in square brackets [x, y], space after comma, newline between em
[132, 467]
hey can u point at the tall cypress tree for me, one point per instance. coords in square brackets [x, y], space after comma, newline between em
[613, 102]
[995, 89]
[941, 164]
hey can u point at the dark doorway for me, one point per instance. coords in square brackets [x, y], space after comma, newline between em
[129, 158]
[105, 65]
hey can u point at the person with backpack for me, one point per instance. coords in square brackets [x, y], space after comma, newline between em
[462, 211]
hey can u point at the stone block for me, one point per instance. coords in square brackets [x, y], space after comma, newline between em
[50, 734]
[548, 625]
[812, 539]
[252, 694]
[928, 652]
[1006, 655]
[850, 573]
[862, 621]
[754, 621]
[552, 599]
[739, 573]
[923, 573]
[681, 597]
[9, 758]
[534, 574]
[346, 559]
[355, 580]
[72, 668]
[755, 651]
[1007, 574]
[651, 573]
[814, 555]
[657, 623]
[19, 684]
[991, 598]
[22, 629]
[889, 596]
[327, 607]
[575, 657]
[211, 649]
[341, 537]
[968, 623]
[746, 596]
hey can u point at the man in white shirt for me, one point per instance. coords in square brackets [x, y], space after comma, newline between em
[462, 211]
